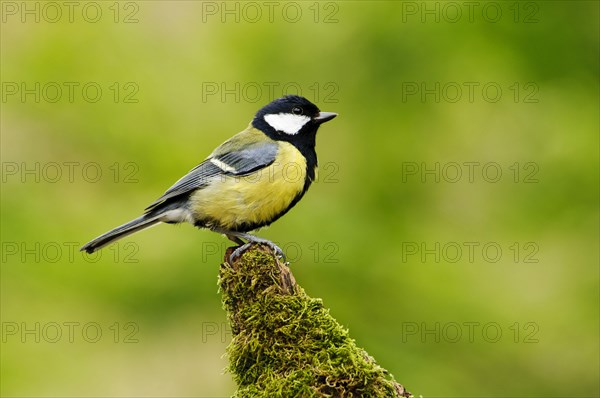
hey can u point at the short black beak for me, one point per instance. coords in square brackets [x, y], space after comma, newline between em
[325, 117]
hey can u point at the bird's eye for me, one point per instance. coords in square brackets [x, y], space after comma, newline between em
[297, 110]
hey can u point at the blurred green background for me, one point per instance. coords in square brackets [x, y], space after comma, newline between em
[460, 284]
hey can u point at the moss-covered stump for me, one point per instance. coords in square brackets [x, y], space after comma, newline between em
[285, 343]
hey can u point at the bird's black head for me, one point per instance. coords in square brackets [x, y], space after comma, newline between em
[291, 118]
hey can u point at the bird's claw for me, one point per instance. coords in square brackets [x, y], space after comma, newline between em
[237, 253]
[277, 250]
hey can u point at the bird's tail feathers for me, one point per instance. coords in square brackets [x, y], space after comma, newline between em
[122, 231]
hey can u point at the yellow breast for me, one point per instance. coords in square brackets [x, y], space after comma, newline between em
[256, 199]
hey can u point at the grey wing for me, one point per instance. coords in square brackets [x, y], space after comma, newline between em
[237, 163]
[247, 160]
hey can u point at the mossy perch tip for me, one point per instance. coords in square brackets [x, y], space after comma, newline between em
[285, 343]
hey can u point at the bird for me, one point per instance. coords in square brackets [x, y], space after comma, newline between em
[246, 183]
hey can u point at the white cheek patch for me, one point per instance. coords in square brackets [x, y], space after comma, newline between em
[287, 122]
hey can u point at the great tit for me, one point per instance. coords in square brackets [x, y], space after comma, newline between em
[246, 183]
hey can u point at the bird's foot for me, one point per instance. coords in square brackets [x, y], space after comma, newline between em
[237, 253]
[239, 237]
[253, 239]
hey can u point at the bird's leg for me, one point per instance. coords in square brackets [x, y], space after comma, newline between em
[237, 238]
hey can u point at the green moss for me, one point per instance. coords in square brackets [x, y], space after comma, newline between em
[286, 343]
